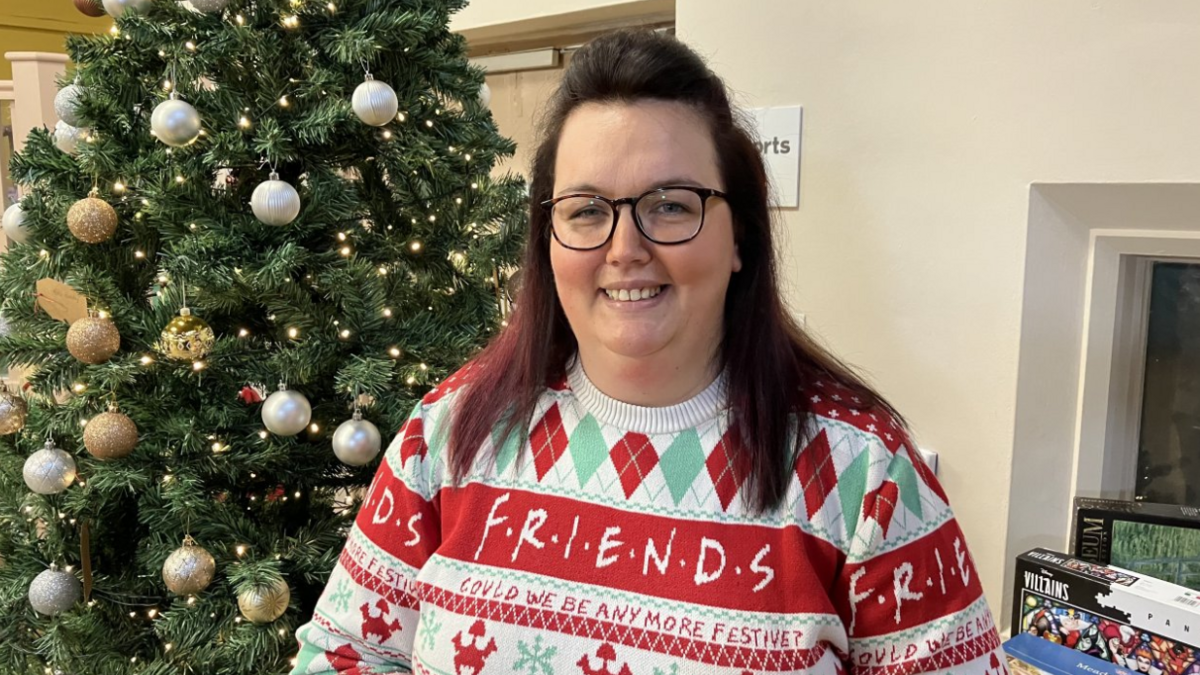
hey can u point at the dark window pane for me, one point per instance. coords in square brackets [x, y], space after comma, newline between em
[1169, 447]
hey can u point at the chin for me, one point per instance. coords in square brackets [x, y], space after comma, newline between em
[635, 347]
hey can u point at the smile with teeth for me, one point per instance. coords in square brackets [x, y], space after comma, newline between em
[633, 295]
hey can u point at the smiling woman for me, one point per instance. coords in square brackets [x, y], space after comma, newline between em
[652, 469]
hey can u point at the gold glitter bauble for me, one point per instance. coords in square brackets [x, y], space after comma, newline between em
[189, 569]
[264, 604]
[13, 411]
[110, 435]
[187, 337]
[92, 220]
[93, 340]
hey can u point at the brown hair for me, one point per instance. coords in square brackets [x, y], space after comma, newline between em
[769, 360]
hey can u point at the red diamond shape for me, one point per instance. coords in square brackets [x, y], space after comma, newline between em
[634, 456]
[728, 466]
[814, 468]
[881, 504]
[412, 443]
[548, 441]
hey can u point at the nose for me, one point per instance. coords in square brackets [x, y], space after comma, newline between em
[627, 245]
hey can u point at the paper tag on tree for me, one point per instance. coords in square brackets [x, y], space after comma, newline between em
[61, 301]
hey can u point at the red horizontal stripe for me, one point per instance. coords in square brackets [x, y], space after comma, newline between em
[734, 566]
[922, 581]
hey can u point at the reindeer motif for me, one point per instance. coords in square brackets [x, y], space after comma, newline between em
[469, 655]
[377, 625]
[605, 653]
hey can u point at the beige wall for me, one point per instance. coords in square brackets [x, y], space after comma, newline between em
[41, 26]
[925, 124]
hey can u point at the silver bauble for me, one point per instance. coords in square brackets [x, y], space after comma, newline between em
[116, 8]
[14, 224]
[54, 591]
[356, 441]
[375, 102]
[206, 6]
[485, 95]
[189, 569]
[67, 138]
[275, 202]
[175, 122]
[286, 412]
[66, 104]
[49, 471]
[264, 604]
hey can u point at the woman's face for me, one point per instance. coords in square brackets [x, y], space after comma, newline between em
[623, 150]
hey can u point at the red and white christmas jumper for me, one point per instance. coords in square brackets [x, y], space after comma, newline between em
[613, 539]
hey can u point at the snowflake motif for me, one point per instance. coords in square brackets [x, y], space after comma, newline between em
[429, 629]
[816, 399]
[871, 428]
[888, 436]
[833, 414]
[341, 599]
[836, 397]
[855, 412]
[533, 658]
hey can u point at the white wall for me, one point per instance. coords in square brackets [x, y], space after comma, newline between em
[925, 124]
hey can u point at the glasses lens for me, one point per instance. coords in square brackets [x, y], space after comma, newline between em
[670, 216]
[582, 222]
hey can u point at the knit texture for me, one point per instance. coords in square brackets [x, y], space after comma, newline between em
[615, 540]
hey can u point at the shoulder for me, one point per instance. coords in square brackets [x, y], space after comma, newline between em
[833, 406]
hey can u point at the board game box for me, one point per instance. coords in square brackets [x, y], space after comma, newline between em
[1028, 655]
[1158, 540]
[1128, 619]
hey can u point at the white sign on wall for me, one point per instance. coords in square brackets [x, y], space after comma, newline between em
[779, 141]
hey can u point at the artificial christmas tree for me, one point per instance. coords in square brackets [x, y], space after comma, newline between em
[356, 259]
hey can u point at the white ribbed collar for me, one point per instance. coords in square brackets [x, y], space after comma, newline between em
[703, 407]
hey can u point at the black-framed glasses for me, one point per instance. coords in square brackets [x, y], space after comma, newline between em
[667, 215]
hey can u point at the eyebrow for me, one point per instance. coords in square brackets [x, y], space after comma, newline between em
[588, 188]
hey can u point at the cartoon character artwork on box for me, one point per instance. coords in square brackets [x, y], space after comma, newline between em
[1106, 639]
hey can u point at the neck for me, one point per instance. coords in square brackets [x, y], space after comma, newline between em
[655, 382]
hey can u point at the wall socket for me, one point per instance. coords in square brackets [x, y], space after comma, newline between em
[931, 459]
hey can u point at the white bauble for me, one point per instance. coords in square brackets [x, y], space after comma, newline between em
[66, 104]
[67, 138]
[49, 471]
[54, 592]
[357, 441]
[206, 6]
[14, 224]
[485, 95]
[375, 102]
[275, 202]
[175, 122]
[286, 412]
[116, 8]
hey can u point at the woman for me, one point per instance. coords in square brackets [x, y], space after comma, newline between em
[619, 484]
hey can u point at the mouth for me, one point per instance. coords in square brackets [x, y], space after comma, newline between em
[634, 295]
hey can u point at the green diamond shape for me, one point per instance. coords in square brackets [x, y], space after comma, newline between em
[507, 452]
[905, 476]
[681, 463]
[588, 449]
[852, 488]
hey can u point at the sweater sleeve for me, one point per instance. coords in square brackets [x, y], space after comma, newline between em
[366, 619]
[909, 593]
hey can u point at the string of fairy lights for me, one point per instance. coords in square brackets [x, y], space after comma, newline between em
[187, 339]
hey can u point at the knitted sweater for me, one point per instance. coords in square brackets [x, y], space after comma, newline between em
[618, 543]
